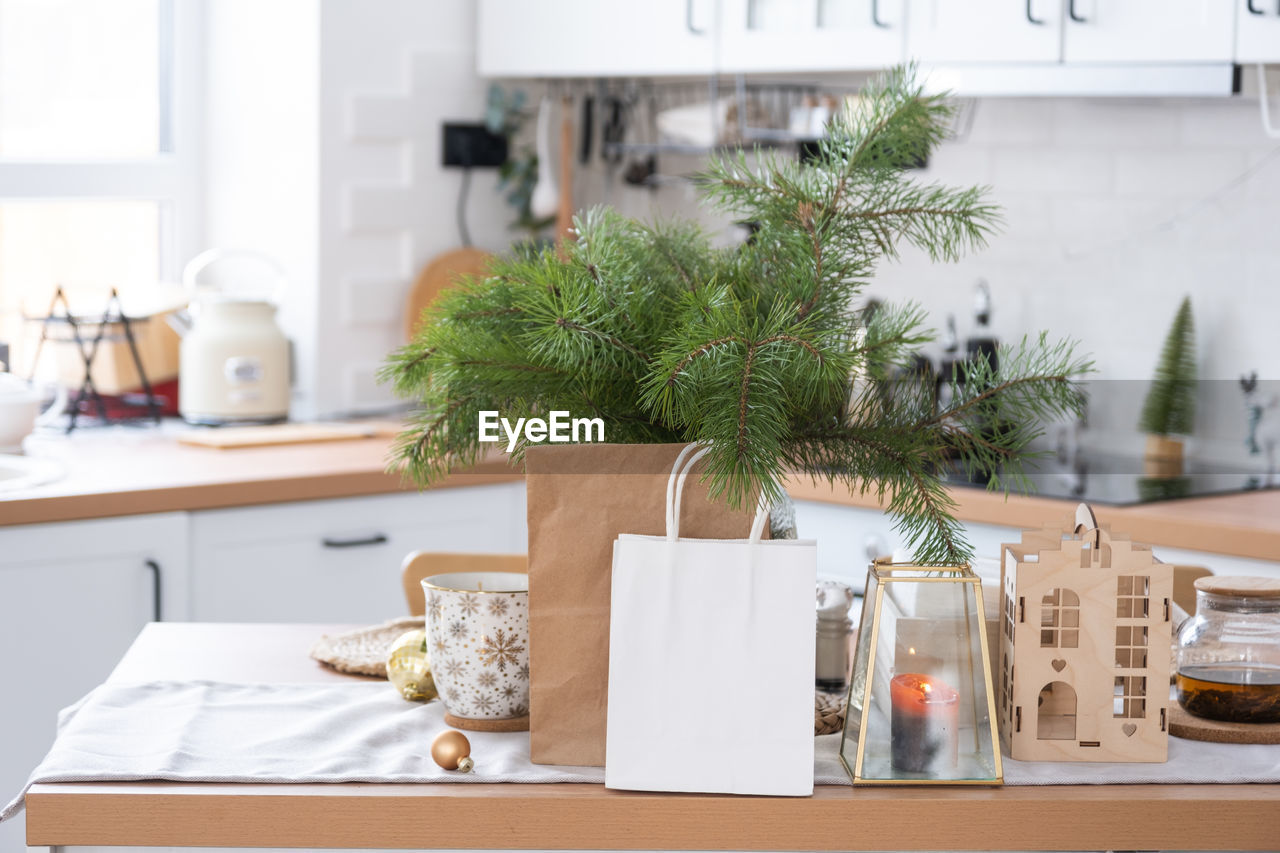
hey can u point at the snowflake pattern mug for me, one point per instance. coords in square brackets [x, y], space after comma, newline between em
[478, 642]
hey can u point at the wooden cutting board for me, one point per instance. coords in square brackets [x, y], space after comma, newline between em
[231, 438]
[442, 271]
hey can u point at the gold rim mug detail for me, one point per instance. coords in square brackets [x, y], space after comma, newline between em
[478, 641]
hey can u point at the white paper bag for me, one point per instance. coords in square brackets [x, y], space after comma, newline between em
[711, 660]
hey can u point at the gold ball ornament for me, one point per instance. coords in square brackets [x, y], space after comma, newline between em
[452, 751]
[409, 668]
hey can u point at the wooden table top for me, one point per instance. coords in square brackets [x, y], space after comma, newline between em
[567, 816]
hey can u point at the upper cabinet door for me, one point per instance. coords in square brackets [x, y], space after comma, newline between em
[985, 30]
[811, 35]
[595, 38]
[1150, 30]
[1257, 31]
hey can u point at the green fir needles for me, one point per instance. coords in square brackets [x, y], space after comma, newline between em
[761, 349]
[1170, 407]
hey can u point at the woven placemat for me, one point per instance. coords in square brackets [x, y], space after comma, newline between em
[828, 713]
[364, 650]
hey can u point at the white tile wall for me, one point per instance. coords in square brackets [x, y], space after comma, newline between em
[1114, 210]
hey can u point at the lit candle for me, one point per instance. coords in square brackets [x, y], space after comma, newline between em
[925, 723]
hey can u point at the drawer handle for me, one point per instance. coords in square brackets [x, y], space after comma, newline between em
[1249, 5]
[154, 568]
[688, 20]
[1071, 12]
[375, 539]
[875, 15]
[1032, 18]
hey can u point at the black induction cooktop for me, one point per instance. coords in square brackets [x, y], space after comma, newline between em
[1121, 481]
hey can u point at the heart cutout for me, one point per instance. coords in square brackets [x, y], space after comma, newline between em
[1058, 664]
[1129, 729]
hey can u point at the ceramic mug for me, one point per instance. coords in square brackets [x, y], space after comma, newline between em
[478, 642]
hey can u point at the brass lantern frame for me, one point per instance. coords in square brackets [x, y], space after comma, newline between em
[881, 573]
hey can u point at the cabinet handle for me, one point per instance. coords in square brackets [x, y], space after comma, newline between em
[1248, 4]
[155, 589]
[875, 15]
[375, 539]
[1032, 18]
[1071, 10]
[688, 19]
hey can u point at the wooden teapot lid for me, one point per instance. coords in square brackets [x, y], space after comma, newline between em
[1248, 587]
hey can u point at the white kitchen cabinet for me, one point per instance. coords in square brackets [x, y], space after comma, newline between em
[339, 560]
[1149, 31]
[589, 38]
[850, 537]
[72, 598]
[944, 31]
[1257, 31]
[776, 36]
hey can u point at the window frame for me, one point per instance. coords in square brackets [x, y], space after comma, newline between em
[173, 178]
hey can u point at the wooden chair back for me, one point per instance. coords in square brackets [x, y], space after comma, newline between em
[424, 564]
[1184, 590]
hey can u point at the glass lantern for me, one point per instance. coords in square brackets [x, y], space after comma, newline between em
[921, 709]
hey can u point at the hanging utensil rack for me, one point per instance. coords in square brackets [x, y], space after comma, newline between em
[759, 113]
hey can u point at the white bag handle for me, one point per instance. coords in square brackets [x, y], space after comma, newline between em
[675, 493]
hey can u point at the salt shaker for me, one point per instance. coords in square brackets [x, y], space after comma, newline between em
[834, 630]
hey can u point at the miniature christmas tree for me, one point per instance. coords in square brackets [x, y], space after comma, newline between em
[753, 348]
[1170, 407]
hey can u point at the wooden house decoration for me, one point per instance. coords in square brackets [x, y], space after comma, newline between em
[1085, 630]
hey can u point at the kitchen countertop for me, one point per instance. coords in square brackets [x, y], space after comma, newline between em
[127, 471]
[585, 816]
[133, 470]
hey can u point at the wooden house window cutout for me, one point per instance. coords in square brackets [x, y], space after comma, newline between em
[1060, 619]
[1086, 624]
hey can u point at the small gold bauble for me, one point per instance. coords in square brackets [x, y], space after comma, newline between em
[452, 751]
[409, 668]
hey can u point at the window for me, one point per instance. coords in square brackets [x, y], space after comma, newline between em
[1131, 596]
[99, 178]
[1130, 697]
[1060, 620]
[1131, 646]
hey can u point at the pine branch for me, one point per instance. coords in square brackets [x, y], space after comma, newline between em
[752, 348]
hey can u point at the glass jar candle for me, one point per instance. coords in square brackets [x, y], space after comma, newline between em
[1229, 652]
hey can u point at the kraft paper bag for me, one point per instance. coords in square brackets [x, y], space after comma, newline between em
[692, 619]
[580, 498]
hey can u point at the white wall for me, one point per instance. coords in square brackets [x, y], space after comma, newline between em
[262, 177]
[1116, 209]
[391, 73]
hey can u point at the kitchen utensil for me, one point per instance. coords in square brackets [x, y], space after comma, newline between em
[564, 212]
[478, 626]
[588, 129]
[20, 413]
[234, 358]
[544, 201]
[440, 272]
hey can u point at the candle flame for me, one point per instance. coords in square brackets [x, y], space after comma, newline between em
[927, 687]
[911, 650]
